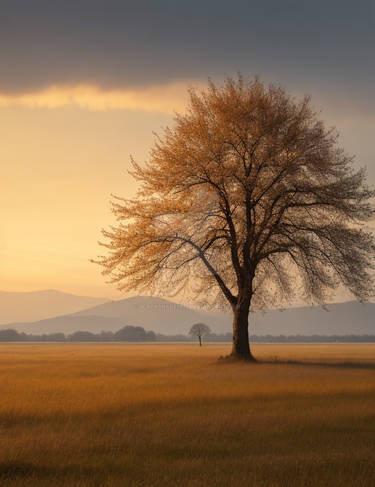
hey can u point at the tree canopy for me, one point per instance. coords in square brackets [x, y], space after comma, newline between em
[199, 330]
[247, 200]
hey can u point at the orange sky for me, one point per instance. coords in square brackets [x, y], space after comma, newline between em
[84, 84]
[59, 166]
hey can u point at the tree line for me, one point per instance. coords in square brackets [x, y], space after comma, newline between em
[139, 334]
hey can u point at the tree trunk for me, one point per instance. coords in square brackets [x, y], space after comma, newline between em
[200, 340]
[241, 347]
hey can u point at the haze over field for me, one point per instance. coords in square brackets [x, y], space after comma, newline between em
[38, 305]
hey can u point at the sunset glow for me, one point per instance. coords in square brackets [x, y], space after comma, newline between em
[166, 98]
[74, 108]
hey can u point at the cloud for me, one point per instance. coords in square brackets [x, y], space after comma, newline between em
[125, 45]
[166, 98]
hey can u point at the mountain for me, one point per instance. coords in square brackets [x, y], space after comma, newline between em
[163, 316]
[159, 315]
[167, 317]
[151, 313]
[350, 318]
[67, 324]
[38, 305]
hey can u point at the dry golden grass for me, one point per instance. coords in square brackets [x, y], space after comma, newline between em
[170, 415]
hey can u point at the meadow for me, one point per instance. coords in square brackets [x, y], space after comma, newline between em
[171, 415]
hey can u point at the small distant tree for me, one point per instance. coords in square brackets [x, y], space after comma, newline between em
[150, 336]
[199, 330]
[54, 337]
[82, 336]
[106, 336]
[9, 336]
[131, 334]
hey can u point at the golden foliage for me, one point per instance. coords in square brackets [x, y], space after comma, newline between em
[247, 198]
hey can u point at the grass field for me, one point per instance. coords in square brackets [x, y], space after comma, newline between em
[170, 415]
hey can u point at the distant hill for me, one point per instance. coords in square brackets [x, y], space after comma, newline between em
[68, 324]
[159, 315]
[38, 305]
[340, 319]
[168, 318]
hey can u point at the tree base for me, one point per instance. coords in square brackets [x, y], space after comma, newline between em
[236, 358]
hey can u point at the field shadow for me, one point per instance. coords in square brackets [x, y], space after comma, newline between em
[341, 365]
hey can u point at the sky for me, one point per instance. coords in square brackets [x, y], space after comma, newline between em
[85, 84]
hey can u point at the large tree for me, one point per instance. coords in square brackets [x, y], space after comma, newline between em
[246, 200]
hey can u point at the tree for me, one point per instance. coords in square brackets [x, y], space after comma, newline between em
[10, 335]
[248, 200]
[82, 336]
[199, 330]
[131, 334]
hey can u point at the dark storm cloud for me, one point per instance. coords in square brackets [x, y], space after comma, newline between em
[125, 44]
